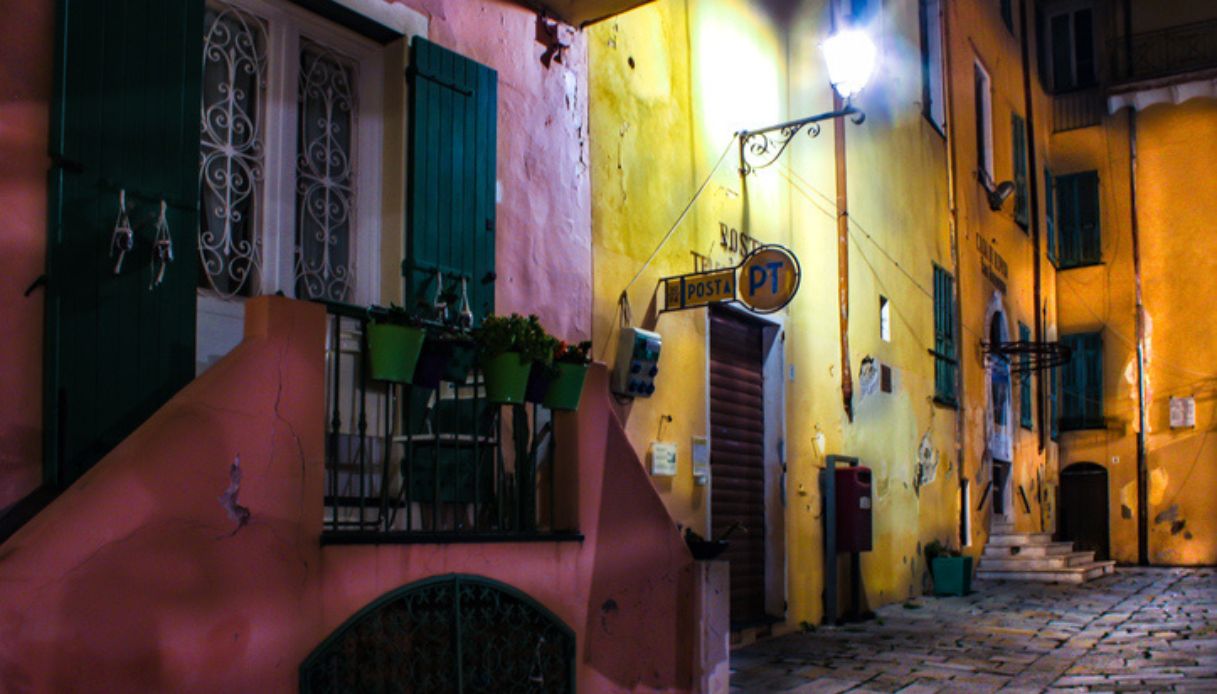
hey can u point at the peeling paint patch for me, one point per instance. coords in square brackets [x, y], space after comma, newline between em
[1169, 515]
[1125, 512]
[1178, 526]
[228, 500]
[1158, 481]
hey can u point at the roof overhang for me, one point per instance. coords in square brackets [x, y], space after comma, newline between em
[1171, 90]
[580, 13]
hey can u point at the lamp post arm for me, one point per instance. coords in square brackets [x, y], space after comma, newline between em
[762, 147]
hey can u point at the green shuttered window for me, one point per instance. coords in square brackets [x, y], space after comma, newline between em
[945, 360]
[1077, 220]
[1050, 215]
[1082, 383]
[1019, 138]
[1024, 380]
[453, 135]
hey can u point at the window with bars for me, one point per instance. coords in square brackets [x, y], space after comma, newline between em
[1081, 405]
[945, 359]
[1024, 380]
[984, 122]
[1077, 233]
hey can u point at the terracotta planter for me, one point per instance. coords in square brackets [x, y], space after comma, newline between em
[393, 351]
[506, 377]
[565, 390]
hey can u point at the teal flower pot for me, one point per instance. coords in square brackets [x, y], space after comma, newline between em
[952, 575]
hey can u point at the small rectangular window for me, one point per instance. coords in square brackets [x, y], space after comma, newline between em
[1019, 139]
[965, 514]
[1077, 220]
[933, 100]
[984, 123]
[1082, 383]
[945, 361]
[885, 319]
[1071, 50]
[1024, 380]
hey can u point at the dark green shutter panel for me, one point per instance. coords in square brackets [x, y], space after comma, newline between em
[1094, 380]
[1050, 215]
[1072, 384]
[1077, 210]
[1082, 382]
[944, 340]
[453, 139]
[1024, 380]
[125, 115]
[1054, 408]
[1019, 138]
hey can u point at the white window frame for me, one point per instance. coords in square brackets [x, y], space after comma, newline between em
[986, 96]
[885, 318]
[933, 88]
[286, 24]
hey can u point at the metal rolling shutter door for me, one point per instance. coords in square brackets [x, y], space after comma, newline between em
[737, 446]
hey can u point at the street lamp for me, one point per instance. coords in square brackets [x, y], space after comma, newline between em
[850, 58]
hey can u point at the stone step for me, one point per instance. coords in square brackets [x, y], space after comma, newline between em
[1006, 539]
[1070, 574]
[1022, 562]
[1050, 549]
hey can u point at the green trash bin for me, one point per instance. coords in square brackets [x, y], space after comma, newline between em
[952, 575]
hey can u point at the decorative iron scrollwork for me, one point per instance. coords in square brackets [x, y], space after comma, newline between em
[1028, 356]
[761, 148]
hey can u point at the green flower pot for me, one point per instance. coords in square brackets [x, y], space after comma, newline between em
[564, 391]
[506, 377]
[952, 575]
[393, 351]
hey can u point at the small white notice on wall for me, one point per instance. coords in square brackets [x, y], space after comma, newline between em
[1183, 413]
[663, 459]
[701, 460]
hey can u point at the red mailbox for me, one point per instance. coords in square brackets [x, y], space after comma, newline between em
[853, 486]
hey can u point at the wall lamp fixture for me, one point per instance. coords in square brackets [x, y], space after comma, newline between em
[850, 58]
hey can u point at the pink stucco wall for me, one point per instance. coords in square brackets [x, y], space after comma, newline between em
[25, 95]
[134, 579]
[544, 216]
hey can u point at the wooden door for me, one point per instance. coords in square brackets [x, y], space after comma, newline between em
[737, 452]
[1084, 508]
[126, 118]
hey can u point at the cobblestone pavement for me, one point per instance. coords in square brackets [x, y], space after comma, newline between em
[1138, 630]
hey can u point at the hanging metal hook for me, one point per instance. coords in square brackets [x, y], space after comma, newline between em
[122, 239]
[466, 315]
[441, 306]
[162, 249]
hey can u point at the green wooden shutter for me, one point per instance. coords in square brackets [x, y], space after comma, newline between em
[1078, 219]
[1050, 215]
[1093, 392]
[1024, 380]
[1054, 409]
[944, 337]
[1082, 382]
[1019, 138]
[125, 116]
[453, 139]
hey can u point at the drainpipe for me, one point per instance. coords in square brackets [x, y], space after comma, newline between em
[1142, 415]
[953, 230]
[1034, 204]
[847, 385]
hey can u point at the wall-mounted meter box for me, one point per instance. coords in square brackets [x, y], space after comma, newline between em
[637, 363]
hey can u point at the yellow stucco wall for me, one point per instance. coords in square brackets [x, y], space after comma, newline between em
[1176, 199]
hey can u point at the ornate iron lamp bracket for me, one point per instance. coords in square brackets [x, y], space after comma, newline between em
[761, 148]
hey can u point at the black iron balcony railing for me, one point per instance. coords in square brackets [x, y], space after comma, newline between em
[411, 464]
[1171, 51]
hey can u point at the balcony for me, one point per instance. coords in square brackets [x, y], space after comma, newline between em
[1164, 53]
[407, 464]
[1077, 109]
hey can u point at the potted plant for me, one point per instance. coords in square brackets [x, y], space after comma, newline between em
[395, 340]
[447, 355]
[538, 347]
[570, 363]
[952, 572]
[500, 343]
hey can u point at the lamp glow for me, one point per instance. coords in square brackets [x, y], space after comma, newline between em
[850, 56]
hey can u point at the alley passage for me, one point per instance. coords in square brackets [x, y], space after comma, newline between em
[1138, 630]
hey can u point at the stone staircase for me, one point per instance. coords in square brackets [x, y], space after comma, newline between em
[1015, 556]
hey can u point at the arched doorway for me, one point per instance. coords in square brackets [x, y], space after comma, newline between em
[453, 633]
[1000, 425]
[1084, 509]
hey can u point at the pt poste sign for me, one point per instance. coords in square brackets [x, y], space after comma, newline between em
[765, 282]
